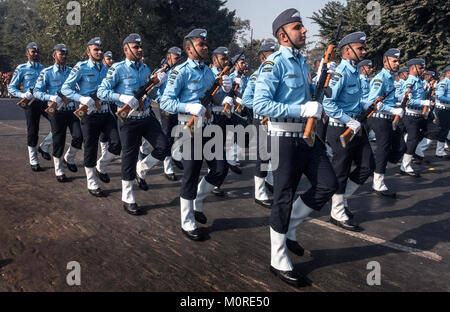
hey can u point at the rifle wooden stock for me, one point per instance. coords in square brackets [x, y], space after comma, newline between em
[51, 109]
[395, 122]
[124, 112]
[191, 123]
[264, 121]
[23, 103]
[237, 107]
[227, 110]
[346, 137]
[309, 135]
[81, 113]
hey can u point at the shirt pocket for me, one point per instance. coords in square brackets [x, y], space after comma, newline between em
[194, 86]
[293, 81]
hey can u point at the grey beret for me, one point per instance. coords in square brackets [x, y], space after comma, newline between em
[356, 37]
[235, 58]
[446, 69]
[365, 63]
[416, 61]
[393, 53]
[221, 51]
[197, 33]
[430, 72]
[32, 45]
[175, 50]
[95, 41]
[286, 17]
[403, 70]
[60, 47]
[108, 54]
[133, 38]
[267, 47]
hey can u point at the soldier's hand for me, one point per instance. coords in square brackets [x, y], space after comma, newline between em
[27, 95]
[56, 99]
[425, 103]
[331, 67]
[129, 100]
[87, 100]
[311, 109]
[398, 111]
[196, 109]
[227, 84]
[162, 77]
[227, 100]
[355, 125]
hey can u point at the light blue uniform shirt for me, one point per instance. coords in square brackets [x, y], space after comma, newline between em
[418, 92]
[87, 76]
[27, 75]
[187, 84]
[381, 85]
[282, 85]
[443, 91]
[125, 78]
[398, 89]
[244, 80]
[50, 81]
[347, 93]
[218, 99]
[249, 93]
[365, 86]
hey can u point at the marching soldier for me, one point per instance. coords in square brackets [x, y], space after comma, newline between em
[48, 88]
[390, 143]
[261, 192]
[283, 93]
[366, 69]
[443, 112]
[27, 74]
[188, 84]
[402, 76]
[344, 108]
[122, 80]
[81, 86]
[414, 121]
[169, 121]
[108, 60]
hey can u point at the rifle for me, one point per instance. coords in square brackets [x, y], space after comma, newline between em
[143, 91]
[404, 103]
[309, 135]
[24, 103]
[51, 110]
[82, 112]
[348, 135]
[425, 111]
[207, 99]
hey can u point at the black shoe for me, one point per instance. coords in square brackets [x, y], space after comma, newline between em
[386, 194]
[236, 169]
[269, 187]
[133, 209]
[200, 217]
[288, 277]
[104, 177]
[142, 184]
[36, 168]
[72, 168]
[443, 157]
[195, 235]
[97, 193]
[45, 155]
[349, 214]
[171, 176]
[62, 179]
[411, 174]
[264, 203]
[179, 164]
[346, 225]
[295, 247]
[218, 192]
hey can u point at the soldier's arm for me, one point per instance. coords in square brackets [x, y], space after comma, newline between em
[170, 99]
[440, 92]
[337, 83]
[249, 93]
[265, 90]
[13, 87]
[105, 91]
[68, 88]
[41, 87]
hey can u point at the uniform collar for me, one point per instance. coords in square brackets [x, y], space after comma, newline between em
[196, 64]
[288, 52]
[413, 78]
[33, 64]
[387, 73]
[135, 65]
[92, 64]
[362, 76]
[350, 65]
[56, 68]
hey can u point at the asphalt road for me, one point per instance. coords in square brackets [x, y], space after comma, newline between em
[45, 225]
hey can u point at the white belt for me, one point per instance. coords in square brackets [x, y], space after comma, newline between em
[140, 113]
[413, 111]
[332, 120]
[62, 106]
[218, 109]
[286, 127]
[440, 105]
[184, 118]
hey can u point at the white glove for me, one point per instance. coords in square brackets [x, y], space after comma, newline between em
[238, 81]
[410, 96]
[355, 125]
[238, 100]
[129, 99]
[227, 84]
[27, 95]
[311, 109]
[379, 106]
[87, 100]
[196, 109]
[228, 100]
[162, 76]
[56, 99]
[425, 103]
[331, 67]
[398, 111]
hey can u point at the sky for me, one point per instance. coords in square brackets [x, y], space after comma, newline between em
[261, 14]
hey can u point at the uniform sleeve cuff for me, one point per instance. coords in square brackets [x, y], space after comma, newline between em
[345, 118]
[182, 108]
[115, 97]
[294, 111]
